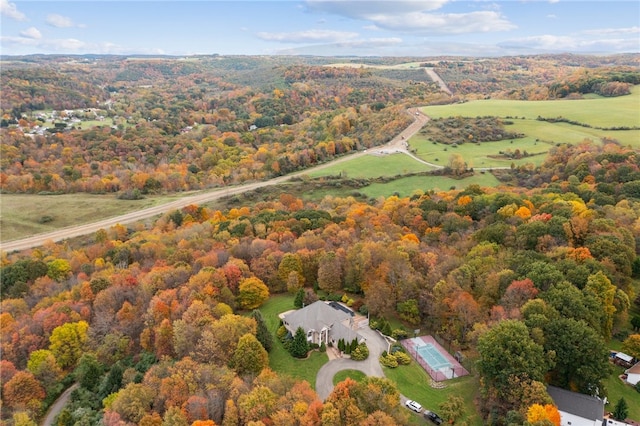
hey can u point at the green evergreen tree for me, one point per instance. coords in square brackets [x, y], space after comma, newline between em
[354, 345]
[112, 382]
[262, 332]
[299, 345]
[297, 303]
[621, 410]
[88, 372]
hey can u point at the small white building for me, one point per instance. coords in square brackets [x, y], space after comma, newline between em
[623, 359]
[633, 374]
[577, 409]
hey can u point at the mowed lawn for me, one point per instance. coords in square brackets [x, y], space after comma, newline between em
[280, 360]
[22, 215]
[373, 166]
[414, 383]
[616, 390]
[596, 111]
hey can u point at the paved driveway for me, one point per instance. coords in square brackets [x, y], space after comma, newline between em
[370, 366]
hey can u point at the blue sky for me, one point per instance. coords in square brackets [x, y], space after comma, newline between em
[320, 27]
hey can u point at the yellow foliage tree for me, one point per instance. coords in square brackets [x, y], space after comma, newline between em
[540, 413]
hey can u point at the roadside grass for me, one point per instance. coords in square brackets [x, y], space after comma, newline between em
[407, 186]
[22, 215]
[372, 166]
[602, 112]
[616, 390]
[356, 375]
[478, 155]
[280, 360]
[413, 382]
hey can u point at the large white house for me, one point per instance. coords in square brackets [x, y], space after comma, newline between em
[577, 409]
[326, 322]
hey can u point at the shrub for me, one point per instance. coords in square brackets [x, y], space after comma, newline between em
[402, 358]
[281, 333]
[399, 334]
[323, 347]
[389, 361]
[361, 353]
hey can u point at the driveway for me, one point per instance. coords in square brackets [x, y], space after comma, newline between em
[370, 366]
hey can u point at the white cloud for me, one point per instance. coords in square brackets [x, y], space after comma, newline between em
[59, 21]
[444, 23]
[31, 32]
[415, 16]
[552, 43]
[309, 36]
[10, 10]
[363, 47]
[552, 16]
[613, 31]
[553, 1]
[362, 9]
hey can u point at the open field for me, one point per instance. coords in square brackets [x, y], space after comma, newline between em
[21, 214]
[413, 382]
[403, 66]
[601, 112]
[569, 133]
[405, 187]
[371, 166]
[480, 155]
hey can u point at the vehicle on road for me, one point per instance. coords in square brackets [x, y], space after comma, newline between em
[412, 405]
[433, 417]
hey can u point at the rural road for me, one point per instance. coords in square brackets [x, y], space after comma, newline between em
[397, 144]
[57, 406]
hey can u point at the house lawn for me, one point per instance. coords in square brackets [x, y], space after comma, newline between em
[356, 375]
[413, 382]
[280, 360]
[616, 389]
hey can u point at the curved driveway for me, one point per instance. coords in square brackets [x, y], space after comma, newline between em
[370, 366]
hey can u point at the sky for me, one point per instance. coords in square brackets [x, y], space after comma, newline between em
[320, 27]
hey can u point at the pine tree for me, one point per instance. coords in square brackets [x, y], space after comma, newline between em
[621, 410]
[299, 346]
[262, 332]
[297, 303]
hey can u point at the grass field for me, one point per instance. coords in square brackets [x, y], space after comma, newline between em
[601, 112]
[20, 215]
[616, 390]
[371, 166]
[280, 360]
[480, 155]
[405, 187]
[413, 382]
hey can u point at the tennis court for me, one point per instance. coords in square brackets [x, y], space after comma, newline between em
[434, 358]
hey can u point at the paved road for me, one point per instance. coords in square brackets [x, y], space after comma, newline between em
[57, 406]
[396, 144]
[370, 366]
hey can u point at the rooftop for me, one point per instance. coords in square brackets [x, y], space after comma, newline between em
[578, 404]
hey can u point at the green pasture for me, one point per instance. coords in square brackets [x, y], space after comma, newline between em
[601, 112]
[280, 360]
[407, 186]
[616, 389]
[372, 166]
[477, 155]
[413, 382]
[22, 215]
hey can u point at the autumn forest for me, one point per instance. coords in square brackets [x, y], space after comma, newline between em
[166, 322]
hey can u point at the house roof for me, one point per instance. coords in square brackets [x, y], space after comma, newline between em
[315, 316]
[634, 370]
[578, 404]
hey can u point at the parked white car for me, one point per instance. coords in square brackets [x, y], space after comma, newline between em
[412, 405]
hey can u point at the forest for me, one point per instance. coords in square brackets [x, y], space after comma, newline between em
[160, 323]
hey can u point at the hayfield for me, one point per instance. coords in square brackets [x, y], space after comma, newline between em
[407, 186]
[596, 111]
[371, 166]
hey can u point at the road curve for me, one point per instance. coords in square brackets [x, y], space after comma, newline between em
[200, 198]
[57, 406]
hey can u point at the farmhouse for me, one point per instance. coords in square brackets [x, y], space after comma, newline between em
[633, 374]
[323, 322]
[577, 409]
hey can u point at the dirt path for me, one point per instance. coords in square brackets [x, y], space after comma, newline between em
[397, 144]
[437, 79]
[57, 406]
